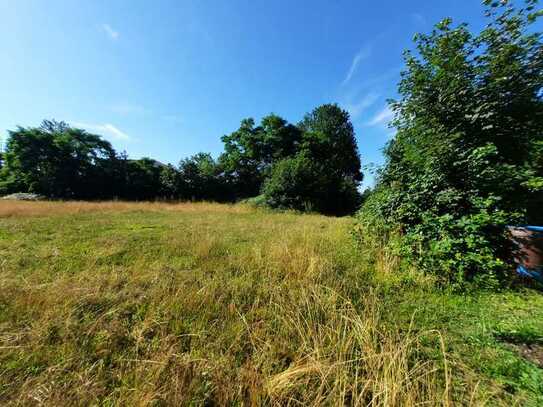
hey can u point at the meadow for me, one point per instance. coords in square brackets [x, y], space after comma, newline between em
[206, 304]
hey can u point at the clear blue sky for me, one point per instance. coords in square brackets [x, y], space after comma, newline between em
[167, 79]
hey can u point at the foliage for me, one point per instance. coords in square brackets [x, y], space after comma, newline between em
[258, 201]
[466, 160]
[301, 183]
[58, 161]
[293, 184]
[325, 173]
[329, 139]
[143, 179]
[201, 180]
[250, 151]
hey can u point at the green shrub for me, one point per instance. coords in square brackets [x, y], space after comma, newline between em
[258, 201]
[300, 183]
[292, 185]
[466, 160]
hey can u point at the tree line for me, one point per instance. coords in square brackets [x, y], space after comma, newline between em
[313, 165]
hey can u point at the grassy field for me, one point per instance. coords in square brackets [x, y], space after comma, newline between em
[207, 304]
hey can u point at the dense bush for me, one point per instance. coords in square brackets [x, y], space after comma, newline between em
[325, 173]
[292, 184]
[466, 160]
[301, 183]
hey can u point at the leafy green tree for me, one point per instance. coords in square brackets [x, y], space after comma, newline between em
[201, 179]
[324, 174]
[328, 135]
[279, 140]
[170, 182]
[57, 161]
[240, 160]
[303, 184]
[250, 151]
[466, 160]
[143, 179]
[293, 184]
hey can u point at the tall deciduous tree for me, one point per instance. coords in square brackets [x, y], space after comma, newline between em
[201, 179]
[57, 161]
[325, 173]
[328, 135]
[250, 151]
[143, 179]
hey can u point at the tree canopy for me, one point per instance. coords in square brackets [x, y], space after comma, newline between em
[250, 152]
[324, 174]
[57, 161]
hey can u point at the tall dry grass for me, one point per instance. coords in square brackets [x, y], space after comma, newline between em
[347, 357]
[11, 208]
[200, 304]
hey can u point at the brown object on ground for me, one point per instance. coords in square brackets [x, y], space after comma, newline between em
[529, 252]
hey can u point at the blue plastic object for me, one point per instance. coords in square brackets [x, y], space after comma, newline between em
[532, 228]
[535, 274]
[538, 229]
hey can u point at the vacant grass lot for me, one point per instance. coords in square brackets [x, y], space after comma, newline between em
[204, 304]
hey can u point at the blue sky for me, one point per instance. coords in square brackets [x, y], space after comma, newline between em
[167, 79]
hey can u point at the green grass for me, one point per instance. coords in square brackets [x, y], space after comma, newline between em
[202, 304]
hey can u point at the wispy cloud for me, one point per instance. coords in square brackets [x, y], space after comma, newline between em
[355, 109]
[364, 53]
[107, 130]
[113, 34]
[357, 96]
[383, 117]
